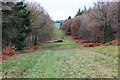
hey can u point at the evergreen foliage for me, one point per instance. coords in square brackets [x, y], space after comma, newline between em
[69, 17]
[81, 12]
[23, 26]
[16, 24]
[108, 34]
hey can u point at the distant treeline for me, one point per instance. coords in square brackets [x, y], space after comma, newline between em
[97, 24]
[59, 21]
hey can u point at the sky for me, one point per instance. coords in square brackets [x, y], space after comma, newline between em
[62, 9]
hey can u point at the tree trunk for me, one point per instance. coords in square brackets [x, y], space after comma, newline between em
[35, 42]
[103, 36]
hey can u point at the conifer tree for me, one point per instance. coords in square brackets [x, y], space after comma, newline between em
[23, 26]
[79, 13]
[69, 17]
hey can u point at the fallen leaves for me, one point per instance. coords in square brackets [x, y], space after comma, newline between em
[31, 48]
[114, 70]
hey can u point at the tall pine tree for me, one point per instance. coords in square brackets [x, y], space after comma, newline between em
[23, 26]
[79, 12]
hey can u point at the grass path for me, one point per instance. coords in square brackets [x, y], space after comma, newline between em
[64, 60]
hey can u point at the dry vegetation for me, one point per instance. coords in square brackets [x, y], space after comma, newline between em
[24, 26]
[98, 24]
[67, 59]
[38, 22]
[42, 25]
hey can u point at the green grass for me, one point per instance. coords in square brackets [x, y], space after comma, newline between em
[64, 60]
[57, 25]
[67, 44]
[108, 50]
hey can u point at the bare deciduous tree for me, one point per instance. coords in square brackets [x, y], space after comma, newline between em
[75, 25]
[42, 25]
[66, 26]
[103, 16]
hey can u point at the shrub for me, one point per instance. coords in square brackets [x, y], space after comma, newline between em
[76, 23]
[91, 44]
[66, 26]
[9, 50]
[83, 31]
[31, 48]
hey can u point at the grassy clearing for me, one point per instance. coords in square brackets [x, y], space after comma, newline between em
[57, 25]
[64, 60]
[67, 44]
[107, 50]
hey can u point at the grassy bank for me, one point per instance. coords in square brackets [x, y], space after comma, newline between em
[64, 60]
